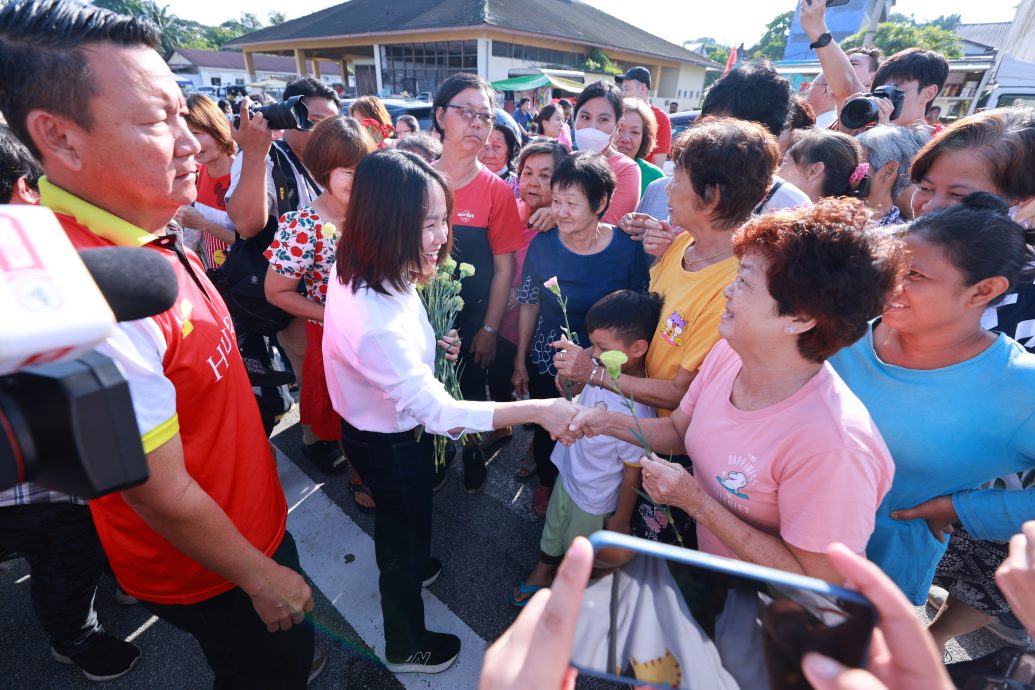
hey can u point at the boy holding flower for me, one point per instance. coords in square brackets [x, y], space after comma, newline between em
[598, 475]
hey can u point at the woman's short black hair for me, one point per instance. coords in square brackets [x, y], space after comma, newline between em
[588, 172]
[601, 89]
[630, 314]
[979, 238]
[447, 91]
[381, 236]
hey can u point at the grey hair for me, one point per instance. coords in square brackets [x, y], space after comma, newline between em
[886, 143]
[421, 143]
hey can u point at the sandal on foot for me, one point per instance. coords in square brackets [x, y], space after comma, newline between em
[526, 468]
[525, 591]
[354, 489]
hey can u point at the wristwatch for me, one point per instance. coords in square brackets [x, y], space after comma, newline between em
[822, 42]
[490, 329]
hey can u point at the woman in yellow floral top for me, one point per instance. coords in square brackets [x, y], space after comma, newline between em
[303, 251]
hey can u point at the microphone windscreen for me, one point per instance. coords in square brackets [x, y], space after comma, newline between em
[136, 282]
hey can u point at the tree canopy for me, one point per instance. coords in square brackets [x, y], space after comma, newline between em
[186, 33]
[774, 40]
[892, 37]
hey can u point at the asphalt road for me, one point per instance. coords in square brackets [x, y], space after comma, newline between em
[487, 543]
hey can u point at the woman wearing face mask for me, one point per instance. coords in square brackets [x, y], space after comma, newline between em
[486, 233]
[303, 251]
[597, 111]
[379, 353]
[888, 149]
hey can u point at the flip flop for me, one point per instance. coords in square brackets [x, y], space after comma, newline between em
[525, 589]
[526, 468]
[365, 490]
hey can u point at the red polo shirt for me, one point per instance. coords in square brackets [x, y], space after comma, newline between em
[185, 376]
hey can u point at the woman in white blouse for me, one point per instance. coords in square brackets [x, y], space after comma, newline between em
[379, 353]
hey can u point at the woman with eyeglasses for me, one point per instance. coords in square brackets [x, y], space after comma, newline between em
[486, 234]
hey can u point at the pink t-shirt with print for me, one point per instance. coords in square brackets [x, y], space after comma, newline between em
[811, 469]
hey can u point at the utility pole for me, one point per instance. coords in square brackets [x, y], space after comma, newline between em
[878, 8]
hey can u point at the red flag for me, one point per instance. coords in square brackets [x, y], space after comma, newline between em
[731, 61]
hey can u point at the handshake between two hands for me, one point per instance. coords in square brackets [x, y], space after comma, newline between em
[567, 421]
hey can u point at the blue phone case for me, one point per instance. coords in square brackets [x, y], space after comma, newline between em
[606, 539]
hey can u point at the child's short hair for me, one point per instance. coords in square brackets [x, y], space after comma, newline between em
[630, 314]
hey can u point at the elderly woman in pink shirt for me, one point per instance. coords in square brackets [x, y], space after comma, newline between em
[786, 458]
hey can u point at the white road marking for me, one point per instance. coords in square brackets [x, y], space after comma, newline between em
[326, 539]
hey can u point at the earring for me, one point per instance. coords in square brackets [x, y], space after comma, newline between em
[790, 330]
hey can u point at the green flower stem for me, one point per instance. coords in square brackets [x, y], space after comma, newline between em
[641, 438]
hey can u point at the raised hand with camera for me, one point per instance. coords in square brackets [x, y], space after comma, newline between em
[837, 67]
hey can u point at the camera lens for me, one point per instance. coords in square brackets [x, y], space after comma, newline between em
[289, 114]
[859, 112]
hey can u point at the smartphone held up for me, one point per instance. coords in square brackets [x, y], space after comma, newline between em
[676, 618]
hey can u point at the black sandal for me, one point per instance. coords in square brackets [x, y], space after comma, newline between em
[354, 489]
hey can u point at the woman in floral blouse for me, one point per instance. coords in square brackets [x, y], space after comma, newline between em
[303, 251]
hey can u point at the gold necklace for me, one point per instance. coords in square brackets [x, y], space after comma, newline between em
[688, 264]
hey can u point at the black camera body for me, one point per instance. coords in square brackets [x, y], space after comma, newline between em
[289, 114]
[861, 111]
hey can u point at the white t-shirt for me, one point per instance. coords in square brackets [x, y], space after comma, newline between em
[785, 196]
[591, 468]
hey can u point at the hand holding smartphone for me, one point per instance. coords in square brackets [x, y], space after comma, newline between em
[677, 618]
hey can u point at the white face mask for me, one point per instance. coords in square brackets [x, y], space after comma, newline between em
[592, 139]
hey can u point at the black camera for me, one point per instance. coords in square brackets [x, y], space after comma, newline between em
[861, 111]
[289, 114]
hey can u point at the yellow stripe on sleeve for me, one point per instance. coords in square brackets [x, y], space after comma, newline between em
[161, 434]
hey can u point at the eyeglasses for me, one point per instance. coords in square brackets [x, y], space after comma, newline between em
[467, 115]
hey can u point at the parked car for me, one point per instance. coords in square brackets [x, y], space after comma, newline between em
[396, 106]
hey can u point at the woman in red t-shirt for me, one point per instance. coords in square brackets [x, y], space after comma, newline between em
[207, 227]
[486, 233]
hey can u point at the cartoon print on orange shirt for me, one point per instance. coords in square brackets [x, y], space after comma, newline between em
[675, 327]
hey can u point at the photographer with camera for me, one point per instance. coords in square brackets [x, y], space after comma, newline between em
[202, 543]
[267, 180]
[903, 86]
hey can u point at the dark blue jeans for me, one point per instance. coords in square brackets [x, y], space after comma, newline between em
[65, 558]
[399, 470]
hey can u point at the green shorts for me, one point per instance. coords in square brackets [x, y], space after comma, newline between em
[565, 521]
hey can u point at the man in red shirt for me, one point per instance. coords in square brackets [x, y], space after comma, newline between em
[202, 544]
[636, 84]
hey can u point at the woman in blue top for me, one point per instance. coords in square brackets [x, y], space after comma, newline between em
[589, 259]
[954, 402]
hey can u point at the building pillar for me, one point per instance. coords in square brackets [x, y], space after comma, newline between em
[377, 68]
[249, 65]
[343, 67]
[300, 66]
[316, 67]
[484, 51]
